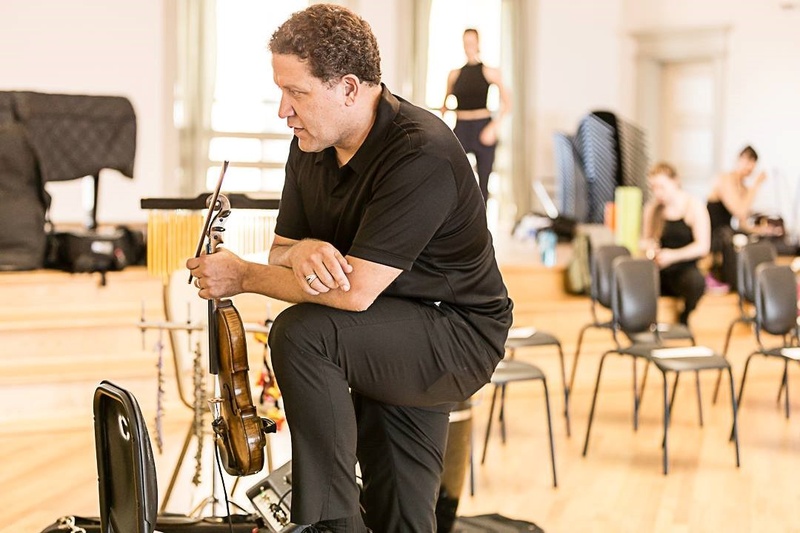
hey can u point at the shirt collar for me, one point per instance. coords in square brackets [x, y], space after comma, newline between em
[388, 106]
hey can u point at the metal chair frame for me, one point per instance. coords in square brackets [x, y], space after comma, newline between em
[775, 303]
[748, 259]
[510, 371]
[634, 309]
[601, 296]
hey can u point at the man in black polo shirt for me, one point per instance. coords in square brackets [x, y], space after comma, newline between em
[382, 242]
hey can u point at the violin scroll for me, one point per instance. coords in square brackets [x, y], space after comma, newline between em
[216, 228]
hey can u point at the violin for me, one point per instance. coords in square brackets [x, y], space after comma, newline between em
[240, 433]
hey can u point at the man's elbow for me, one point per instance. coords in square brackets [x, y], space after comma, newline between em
[358, 301]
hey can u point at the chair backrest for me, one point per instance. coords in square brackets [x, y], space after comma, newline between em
[602, 271]
[747, 260]
[126, 471]
[775, 299]
[635, 288]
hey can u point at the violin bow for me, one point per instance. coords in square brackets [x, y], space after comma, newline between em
[211, 205]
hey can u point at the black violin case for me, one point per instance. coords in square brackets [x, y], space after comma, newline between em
[127, 477]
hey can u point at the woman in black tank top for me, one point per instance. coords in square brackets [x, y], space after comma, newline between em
[731, 198]
[676, 233]
[475, 127]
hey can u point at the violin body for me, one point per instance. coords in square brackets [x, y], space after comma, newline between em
[239, 428]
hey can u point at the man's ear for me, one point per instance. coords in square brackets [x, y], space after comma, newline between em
[351, 85]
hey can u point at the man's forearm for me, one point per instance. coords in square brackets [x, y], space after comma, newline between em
[279, 255]
[279, 282]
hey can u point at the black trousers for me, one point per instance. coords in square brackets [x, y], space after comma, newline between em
[406, 363]
[468, 133]
[684, 281]
[724, 256]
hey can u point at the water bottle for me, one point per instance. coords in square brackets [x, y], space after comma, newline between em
[546, 240]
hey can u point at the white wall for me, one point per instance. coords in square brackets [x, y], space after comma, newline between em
[105, 48]
[579, 50]
[383, 19]
[762, 80]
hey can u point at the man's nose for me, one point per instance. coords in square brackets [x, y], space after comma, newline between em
[285, 110]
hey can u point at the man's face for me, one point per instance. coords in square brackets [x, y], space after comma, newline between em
[312, 108]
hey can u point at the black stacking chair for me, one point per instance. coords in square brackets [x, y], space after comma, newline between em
[537, 338]
[509, 371]
[747, 260]
[775, 300]
[600, 297]
[634, 304]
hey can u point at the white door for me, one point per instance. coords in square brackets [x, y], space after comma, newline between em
[687, 122]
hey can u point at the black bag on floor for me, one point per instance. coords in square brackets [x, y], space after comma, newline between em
[92, 251]
[493, 523]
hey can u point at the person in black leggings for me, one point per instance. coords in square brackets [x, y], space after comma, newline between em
[675, 234]
[475, 127]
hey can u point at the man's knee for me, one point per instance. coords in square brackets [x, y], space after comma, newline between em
[301, 326]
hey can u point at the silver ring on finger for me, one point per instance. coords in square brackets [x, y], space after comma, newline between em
[197, 283]
[310, 278]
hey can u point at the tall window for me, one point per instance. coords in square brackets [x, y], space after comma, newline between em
[228, 102]
[447, 20]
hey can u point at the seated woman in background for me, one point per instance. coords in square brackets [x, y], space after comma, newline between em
[676, 233]
[731, 198]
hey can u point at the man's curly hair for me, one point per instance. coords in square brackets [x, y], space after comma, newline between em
[334, 42]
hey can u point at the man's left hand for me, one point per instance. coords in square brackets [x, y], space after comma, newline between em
[218, 275]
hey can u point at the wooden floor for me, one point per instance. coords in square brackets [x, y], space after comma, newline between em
[48, 463]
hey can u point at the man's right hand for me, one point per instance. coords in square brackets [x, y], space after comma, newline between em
[318, 266]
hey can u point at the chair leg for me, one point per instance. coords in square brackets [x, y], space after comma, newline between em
[787, 341]
[699, 396]
[786, 386]
[471, 464]
[635, 397]
[550, 432]
[501, 419]
[725, 355]
[744, 377]
[594, 404]
[489, 425]
[566, 389]
[672, 396]
[735, 407]
[780, 389]
[577, 353]
[640, 393]
[666, 423]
